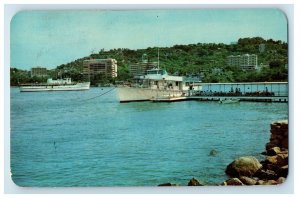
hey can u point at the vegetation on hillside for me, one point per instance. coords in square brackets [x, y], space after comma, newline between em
[206, 59]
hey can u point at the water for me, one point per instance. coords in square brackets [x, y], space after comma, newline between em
[62, 139]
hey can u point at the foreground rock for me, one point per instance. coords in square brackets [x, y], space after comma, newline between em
[194, 182]
[243, 166]
[233, 182]
[167, 184]
[248, 180]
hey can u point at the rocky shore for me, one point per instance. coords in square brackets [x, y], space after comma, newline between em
[248, 170]
[273, 170]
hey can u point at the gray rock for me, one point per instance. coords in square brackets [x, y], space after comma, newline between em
[266, 174]
[243, 166]
[194, 182]
[213, 152]
[233, 182]
[273, 151]
[248, 180]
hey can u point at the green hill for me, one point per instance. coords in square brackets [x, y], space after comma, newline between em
[206, 59]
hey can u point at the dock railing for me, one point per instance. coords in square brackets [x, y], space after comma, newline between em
[255, 89]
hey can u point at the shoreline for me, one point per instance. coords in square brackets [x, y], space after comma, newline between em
[247, 170]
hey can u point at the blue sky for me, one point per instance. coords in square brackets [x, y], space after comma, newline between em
[51, 38]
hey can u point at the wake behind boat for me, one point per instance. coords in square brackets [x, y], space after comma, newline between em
[55, 85]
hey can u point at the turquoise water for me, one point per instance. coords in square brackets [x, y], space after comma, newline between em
[62, 139]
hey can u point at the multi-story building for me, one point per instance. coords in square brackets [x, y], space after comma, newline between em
[107, 67]
[245, 62]
[38, 71]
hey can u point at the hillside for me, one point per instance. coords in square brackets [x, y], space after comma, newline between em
[207, 59]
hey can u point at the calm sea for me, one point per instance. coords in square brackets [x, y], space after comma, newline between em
[70, 139]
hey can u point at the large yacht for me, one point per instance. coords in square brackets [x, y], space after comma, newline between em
[158, 84]
[55, 85]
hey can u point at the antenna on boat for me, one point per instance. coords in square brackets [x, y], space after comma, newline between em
[157, 48]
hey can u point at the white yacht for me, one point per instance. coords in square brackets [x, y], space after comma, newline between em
[55, 85]
[158, 84]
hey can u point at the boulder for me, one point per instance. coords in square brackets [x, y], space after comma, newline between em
[213, 152]
[260, 182]
[266, 182]
[233, 182]
[266, 174]
[279, 159]
[285, 143]
[270, 182]
[280, 180]
[194, 182]
[273, 151]
[272, 167]
[247, 180]
[283, 171]
[243, 166]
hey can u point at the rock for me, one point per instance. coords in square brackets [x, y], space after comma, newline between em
[271, 160]
[266, 182]
[279, 159]
[285, 143]
[233, 182]
[275, 136]
[272, 167]
[260, 182]
[282, 159]
[167, 184]
[213, 152]
[247, 180]
[270, 182]
[243, 166]
[270, 145]
[280, 180]
[273, 151]
[194, 182]
[266, 174]
[283, 171]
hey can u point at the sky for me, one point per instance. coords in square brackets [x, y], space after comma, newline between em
[51, 38]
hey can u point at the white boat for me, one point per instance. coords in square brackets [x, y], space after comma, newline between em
[55, 85]
[158, 84]
[229, 101]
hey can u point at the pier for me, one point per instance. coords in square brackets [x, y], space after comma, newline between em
[245, 92]
[219, 98]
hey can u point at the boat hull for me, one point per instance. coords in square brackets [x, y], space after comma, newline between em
[132, 94]
[76, 87]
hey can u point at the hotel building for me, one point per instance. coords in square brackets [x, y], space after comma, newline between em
[107, 67]
[245, 62]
